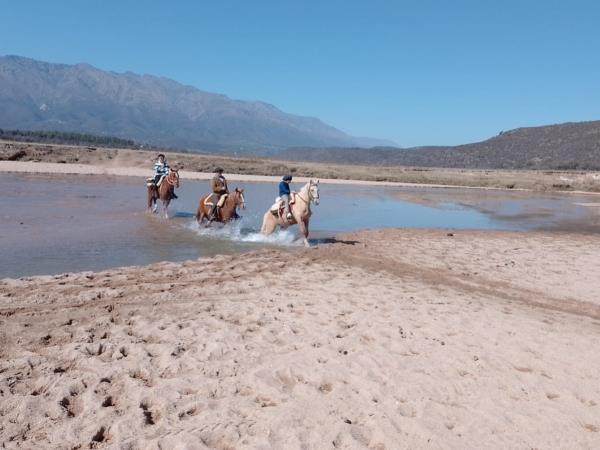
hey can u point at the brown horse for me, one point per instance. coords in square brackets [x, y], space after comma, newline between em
[300, 211]
[227, 212]
[164, 192]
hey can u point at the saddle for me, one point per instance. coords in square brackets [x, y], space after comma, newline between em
[150, 181]
[278, 208]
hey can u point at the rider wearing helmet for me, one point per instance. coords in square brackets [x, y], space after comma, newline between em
[284, 194]
[219, 190]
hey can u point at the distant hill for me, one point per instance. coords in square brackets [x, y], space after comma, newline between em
[36, 95]
[565, 146]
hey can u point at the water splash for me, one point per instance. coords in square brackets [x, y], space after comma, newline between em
[238, 231]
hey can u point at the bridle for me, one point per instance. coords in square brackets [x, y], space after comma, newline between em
[311, 198]
[242, 203]
[173, 178]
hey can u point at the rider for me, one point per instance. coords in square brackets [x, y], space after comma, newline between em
[219, 189]
[161, 169]
[284, 194]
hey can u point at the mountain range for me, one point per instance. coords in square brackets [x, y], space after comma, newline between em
[566, 146]
[79, 98]
[36, 95]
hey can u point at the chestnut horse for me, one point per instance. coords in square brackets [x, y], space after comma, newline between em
[300, 212]
[227, 212]
[164, 192]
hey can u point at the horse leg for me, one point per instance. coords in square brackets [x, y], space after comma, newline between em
[208, 216]
[268, 225]
[304, 230]
[151, 200]
[166, 207]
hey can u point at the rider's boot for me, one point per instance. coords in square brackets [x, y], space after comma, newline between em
[213, 213]
[174, 196]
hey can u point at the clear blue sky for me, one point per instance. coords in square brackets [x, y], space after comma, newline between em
[416, 72]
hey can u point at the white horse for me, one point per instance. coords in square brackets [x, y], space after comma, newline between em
[300, 210]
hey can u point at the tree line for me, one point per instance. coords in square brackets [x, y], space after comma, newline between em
[65, 137]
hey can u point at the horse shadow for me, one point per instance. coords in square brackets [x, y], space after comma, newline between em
[184, 214]
[332, 240]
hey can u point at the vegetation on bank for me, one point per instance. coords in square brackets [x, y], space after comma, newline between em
[67, 138]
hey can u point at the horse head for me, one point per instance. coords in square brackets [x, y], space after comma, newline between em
[173, 177]
[313, 191]
[239, 198]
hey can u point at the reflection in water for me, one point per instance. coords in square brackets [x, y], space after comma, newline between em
[55, 224]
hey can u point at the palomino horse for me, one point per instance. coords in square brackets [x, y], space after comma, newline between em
[300, 212]
[164, 192]
[228, 211]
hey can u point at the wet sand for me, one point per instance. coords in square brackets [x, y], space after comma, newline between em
[383, 339]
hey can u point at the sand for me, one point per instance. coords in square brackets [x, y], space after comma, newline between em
[91, 169]
[141, 161]
[380, 339]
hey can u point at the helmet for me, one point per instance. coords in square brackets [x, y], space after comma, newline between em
[218, 169]
[287, 178]
[160, 155]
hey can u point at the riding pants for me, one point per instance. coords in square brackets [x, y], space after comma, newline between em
[286, 200]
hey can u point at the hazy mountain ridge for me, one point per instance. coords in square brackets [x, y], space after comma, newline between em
[574, 145]
[38, 95]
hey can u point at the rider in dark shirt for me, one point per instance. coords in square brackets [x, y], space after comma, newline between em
[284, 194]
[219, 188]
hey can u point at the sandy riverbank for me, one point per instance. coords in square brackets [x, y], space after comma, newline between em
[142, 160]
[87, 169]
[384, 339]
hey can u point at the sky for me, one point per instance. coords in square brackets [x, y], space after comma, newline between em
[415, 72]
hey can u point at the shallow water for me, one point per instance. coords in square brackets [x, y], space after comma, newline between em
[56, 224]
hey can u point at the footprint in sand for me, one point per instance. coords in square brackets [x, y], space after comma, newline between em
[71, 406]
[151, 416]
[100, 436]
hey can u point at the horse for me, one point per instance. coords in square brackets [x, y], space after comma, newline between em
[228, 211]
[300, 212]
[164, 192]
